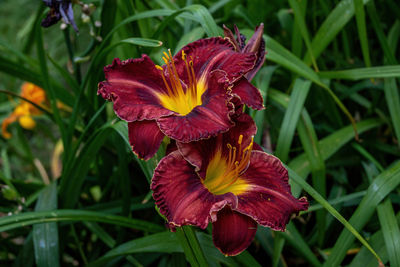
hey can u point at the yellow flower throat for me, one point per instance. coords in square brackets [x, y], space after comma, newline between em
[223, 174]
[181, 98]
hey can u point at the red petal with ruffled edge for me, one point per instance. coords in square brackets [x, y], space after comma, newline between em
[268, 199]
[209, 119]
[212, 54]
[233, 232]
[181, 196]
[248, 94]
[199, 153]
[133, 86]
[145, 138]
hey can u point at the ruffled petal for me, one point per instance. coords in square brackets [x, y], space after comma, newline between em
[248, 94]
[180, 195]
[200, 153]
[214, 53]
[268, 199]
[134, 86]
[233, 232]
[145, 138]
[204, 121]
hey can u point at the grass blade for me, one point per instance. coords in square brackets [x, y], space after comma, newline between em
[45, 235]
[29, 218]
[381, 186]
[309, 141]
[363, 73]
[332, 25]
[301, 24]
[362, 30]
[391, 232]
[350, 230]
[292, 114]
[393, 102]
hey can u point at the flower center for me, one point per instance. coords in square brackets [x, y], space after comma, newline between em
[223, 172]
[180, 97]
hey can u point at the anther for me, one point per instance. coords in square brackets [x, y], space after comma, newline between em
[240, 139]
[159, 67]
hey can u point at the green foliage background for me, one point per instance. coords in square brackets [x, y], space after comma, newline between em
[331, 72]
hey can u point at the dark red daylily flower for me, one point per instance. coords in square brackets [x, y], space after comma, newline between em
[224, 180]
[187, 99]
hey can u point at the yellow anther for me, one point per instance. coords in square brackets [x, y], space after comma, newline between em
[170, 54]
[229, 146]
[159, 67]
[166, 55]
[183, 55]
[240, 139]
[165, 60]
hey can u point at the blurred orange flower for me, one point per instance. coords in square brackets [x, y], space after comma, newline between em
[24, 111]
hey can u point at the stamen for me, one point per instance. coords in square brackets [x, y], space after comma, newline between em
[170, 92]
[194, 76]
[236, 163]
[240, 139]
[180, 97]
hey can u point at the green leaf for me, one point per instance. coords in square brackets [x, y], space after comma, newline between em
[381, 186]
[280, 55]
[332, 143]
[292, 114]
[186, 245]
[47, 86]
[301, 24]
[362, 30]
[293, 236]
[29, 218]
[262, 81]
[284, 57]
[206, 20]
[391, 232]
[45, 235]
[191, 36]
[377, 241]
[349, 228]
[191, 237]
[332, 25]
[309, 141]
[393, 102]
[363, 73]
[161, 242]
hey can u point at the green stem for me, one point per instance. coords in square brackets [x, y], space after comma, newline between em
[77, 69]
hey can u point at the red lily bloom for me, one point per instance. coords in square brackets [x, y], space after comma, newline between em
[226, 181]
[187, 99]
